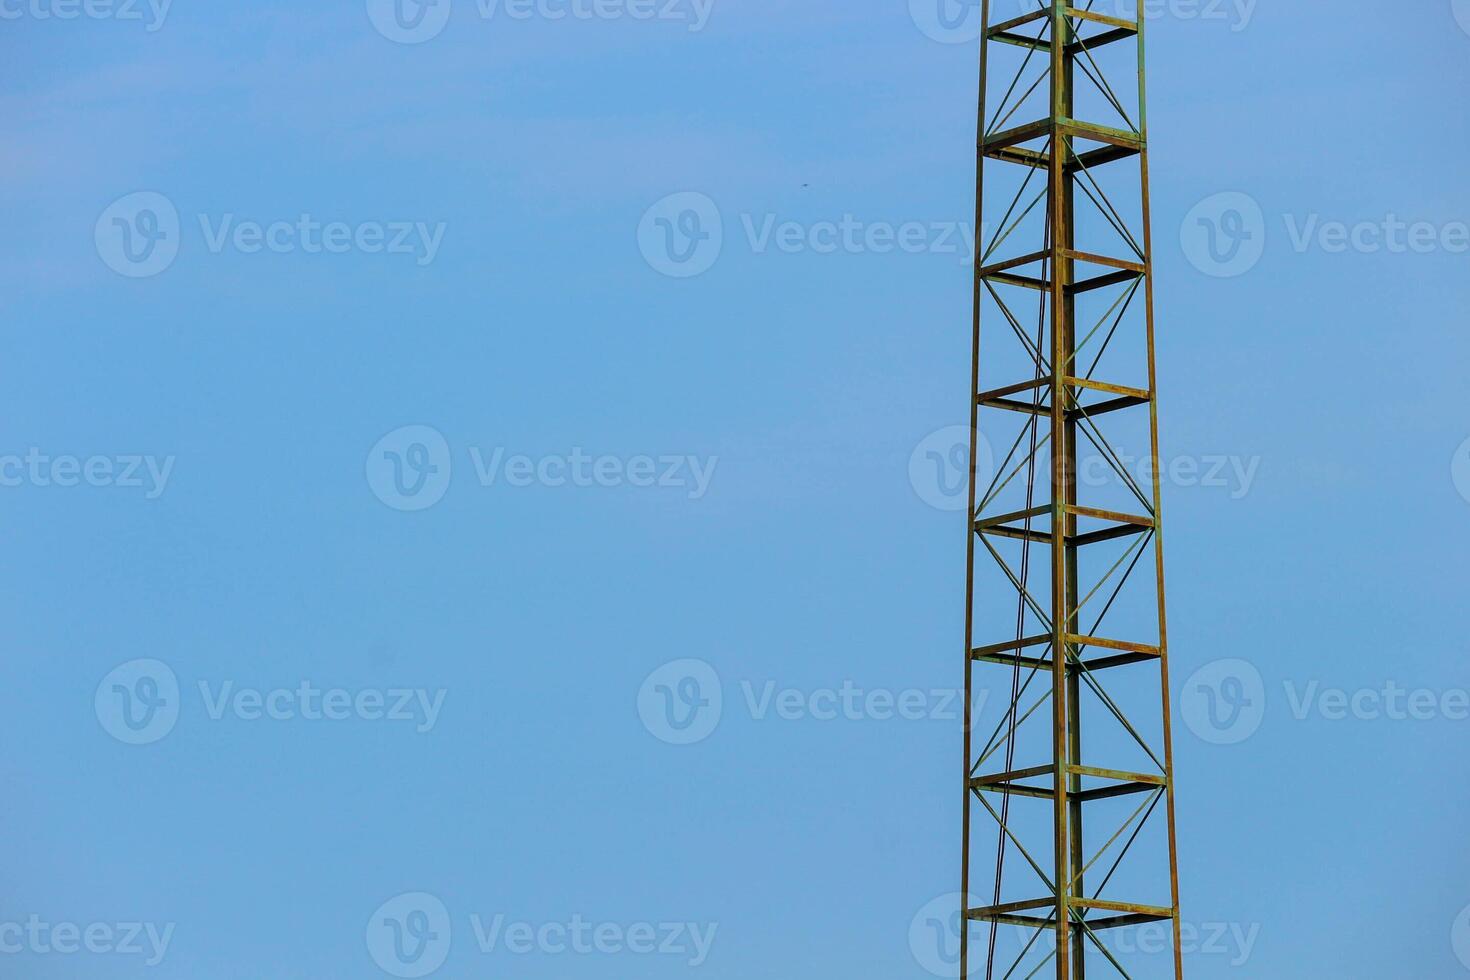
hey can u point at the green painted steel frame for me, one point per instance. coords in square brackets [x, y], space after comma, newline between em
[1055, 406]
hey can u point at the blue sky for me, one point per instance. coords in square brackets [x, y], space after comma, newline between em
[268, 698]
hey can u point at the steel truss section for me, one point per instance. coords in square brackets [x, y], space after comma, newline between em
[1057, 656]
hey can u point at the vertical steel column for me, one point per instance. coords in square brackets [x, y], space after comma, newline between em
[1153, 408]
[1063, 481]
[970, 538]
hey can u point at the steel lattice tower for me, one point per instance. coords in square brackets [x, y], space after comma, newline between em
[1084, 838]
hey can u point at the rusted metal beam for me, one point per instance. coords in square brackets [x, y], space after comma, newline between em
[1104, 281]
[990, 271]
[1129, 908]
[1006, 26]
[1012, 389]
[1083, 642]
[1107, 407]
[982, 782]
[1011, 405]
[1092, 16]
